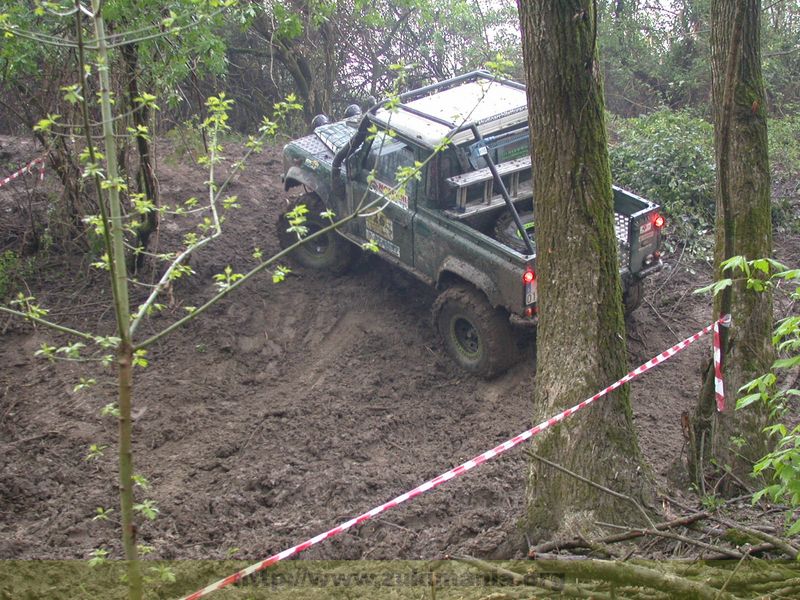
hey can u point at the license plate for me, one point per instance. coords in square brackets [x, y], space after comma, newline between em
[530, 293]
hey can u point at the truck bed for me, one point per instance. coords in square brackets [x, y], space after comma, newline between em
[478, 203]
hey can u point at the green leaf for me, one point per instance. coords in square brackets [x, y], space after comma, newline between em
[715, 287]
[734, 263]
[110, 410]
[747, 400]
[148, 509]
[98, 557]
[101, 514]
[770, 491]
[72, 93]
[789, 274]
[762, 264]
[145, 99]
[370, 246]
[786, 363]
[139, 359]
[84, 383]
[280, 273]
[794, 529]
[95, 452]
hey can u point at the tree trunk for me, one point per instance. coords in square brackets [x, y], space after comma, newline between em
[113, 219]
[743, 227]
[145, 176]
[581, 335]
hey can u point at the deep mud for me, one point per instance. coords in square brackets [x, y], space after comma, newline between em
[289, 408]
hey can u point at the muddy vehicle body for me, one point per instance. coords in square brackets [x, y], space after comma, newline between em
[464, 224]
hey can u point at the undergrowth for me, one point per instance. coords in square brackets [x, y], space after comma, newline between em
[668, 157]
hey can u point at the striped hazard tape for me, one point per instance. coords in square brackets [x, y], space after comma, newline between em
[26, 169]
[719, 388]
[470, 464]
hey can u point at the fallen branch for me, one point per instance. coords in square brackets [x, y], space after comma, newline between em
[569, 590]
[628, 574]
[761, 535]
[752, 550]
[621, 537]
[733, 574]
[728, 553]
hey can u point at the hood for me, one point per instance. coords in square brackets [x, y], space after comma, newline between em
[335, 135]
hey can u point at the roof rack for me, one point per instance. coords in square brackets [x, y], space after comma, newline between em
[421, 116]
[429, 122]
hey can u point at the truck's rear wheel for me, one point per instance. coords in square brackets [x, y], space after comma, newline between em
[507, 232]
[632, 296]
[328, 252]
[477, 336]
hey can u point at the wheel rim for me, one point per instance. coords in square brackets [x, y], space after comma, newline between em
[528, 227]
[466, 337]
[318, 246]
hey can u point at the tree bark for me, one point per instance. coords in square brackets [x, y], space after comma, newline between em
[581, 334]
[145, 176]
[743, 227]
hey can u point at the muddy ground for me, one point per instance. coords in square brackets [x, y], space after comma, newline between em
[290, 408]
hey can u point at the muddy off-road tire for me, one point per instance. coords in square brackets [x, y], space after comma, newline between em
[477, 336]
[632, 296]
[507, 232]
[329, 252]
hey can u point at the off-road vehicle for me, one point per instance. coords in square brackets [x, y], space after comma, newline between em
[465, 224]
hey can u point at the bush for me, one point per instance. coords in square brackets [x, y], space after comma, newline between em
[668, 157]
[784, 159]
[12, 269]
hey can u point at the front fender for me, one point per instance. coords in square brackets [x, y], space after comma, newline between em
[317, 182]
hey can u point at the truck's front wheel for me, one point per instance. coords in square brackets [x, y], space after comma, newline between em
[476, 335]
[329, 252]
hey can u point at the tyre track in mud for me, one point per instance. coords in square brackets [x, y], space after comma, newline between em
[292, 407]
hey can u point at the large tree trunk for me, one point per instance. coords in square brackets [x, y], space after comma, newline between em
[581, 336]
[743, 227]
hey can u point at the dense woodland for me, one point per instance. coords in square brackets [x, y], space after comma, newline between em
[655, 59]
[692, 103]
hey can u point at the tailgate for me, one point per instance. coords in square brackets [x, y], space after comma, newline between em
[637, 224]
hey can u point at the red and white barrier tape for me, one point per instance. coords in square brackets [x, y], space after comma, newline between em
[719, 389]
[464, 467]
[26, 169]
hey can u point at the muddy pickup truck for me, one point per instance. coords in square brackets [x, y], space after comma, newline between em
[464, 225]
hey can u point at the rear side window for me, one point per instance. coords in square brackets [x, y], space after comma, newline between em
[387, 155]
[440, 194]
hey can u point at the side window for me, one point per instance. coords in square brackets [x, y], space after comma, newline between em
[439, 193]
[385, 156]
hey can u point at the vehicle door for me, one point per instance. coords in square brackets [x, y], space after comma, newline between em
[392, 204]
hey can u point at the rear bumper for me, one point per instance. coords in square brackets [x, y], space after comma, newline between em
[654, 268]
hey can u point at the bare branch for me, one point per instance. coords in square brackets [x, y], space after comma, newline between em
[595, 485]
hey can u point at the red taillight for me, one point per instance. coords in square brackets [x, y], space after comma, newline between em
[658, 221]
[528, 277]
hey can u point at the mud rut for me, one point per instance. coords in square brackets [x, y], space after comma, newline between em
[293, 407]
